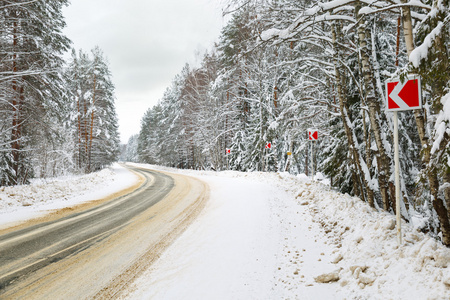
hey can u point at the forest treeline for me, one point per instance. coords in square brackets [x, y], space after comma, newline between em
[283, 66]
[57, 117]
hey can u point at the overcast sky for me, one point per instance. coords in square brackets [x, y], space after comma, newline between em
[147, 42]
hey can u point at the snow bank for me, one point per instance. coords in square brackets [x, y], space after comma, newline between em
[18, 203]
[370, 261]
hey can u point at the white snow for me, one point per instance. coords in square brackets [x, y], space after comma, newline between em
[24, 202]
[366, 10]
[273, 32]
[442, 125]
[278, 236]
[274, 125]
[270, 236]
[421, 52]
[334, 4]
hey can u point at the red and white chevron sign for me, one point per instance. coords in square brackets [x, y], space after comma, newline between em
[404, 96]
[313, 134]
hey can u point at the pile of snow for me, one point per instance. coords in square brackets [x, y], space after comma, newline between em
[277, 236]
[18, 203]
[368, 259]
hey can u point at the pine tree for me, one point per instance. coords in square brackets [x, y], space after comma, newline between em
[95, 120]
[31, 45]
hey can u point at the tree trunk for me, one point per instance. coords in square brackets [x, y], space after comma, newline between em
[346, 121]
[418, 114]
[85, 135]
[15, 132]
[383, 159]
[439, 207]
[446, 189]
[307, 158]
[370, 195]
[79, 133]
[92, 125]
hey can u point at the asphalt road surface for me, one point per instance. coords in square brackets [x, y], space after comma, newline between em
[96, 252]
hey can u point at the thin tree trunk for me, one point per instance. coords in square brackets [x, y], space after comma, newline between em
[79, 133]
[418, 114]
[15, 133]
[346, 121]
[85, 135]
[307, 158]
[397, 50]
[370, 195]
[92, 123]
[374, 114]
[446, 189]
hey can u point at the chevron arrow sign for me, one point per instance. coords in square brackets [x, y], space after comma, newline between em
[313, 134]
[405, 95]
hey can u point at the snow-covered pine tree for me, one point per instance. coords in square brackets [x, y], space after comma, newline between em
[130, 151]
[31, 44]
[95, 120]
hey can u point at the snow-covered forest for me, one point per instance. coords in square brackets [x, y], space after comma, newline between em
[56, 116]
[283, 66]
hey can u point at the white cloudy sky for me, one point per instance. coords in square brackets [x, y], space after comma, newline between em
[147, 42]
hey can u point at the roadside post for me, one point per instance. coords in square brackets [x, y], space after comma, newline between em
[289, 161]
[228, 152]
[313, 135]
[268, 146]
[401, 96]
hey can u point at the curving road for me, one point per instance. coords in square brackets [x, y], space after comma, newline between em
[95, 253]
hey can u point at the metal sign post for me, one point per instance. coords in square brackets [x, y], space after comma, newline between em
[312, 160]
[397, 180]
[401, 96]
[313, 135]
[268, 146]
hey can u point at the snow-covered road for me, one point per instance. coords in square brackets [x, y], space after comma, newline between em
[247, 244]
[277, 236]
[19, 203]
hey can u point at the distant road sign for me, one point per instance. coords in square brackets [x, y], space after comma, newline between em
[313, 134]
[404, 95]
[268, 145]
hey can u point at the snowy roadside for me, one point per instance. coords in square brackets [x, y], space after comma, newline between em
[265, 236]
[20, 203]
[276, 236]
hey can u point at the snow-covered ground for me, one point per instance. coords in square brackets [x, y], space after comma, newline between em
[42, 196]
[277, 236]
